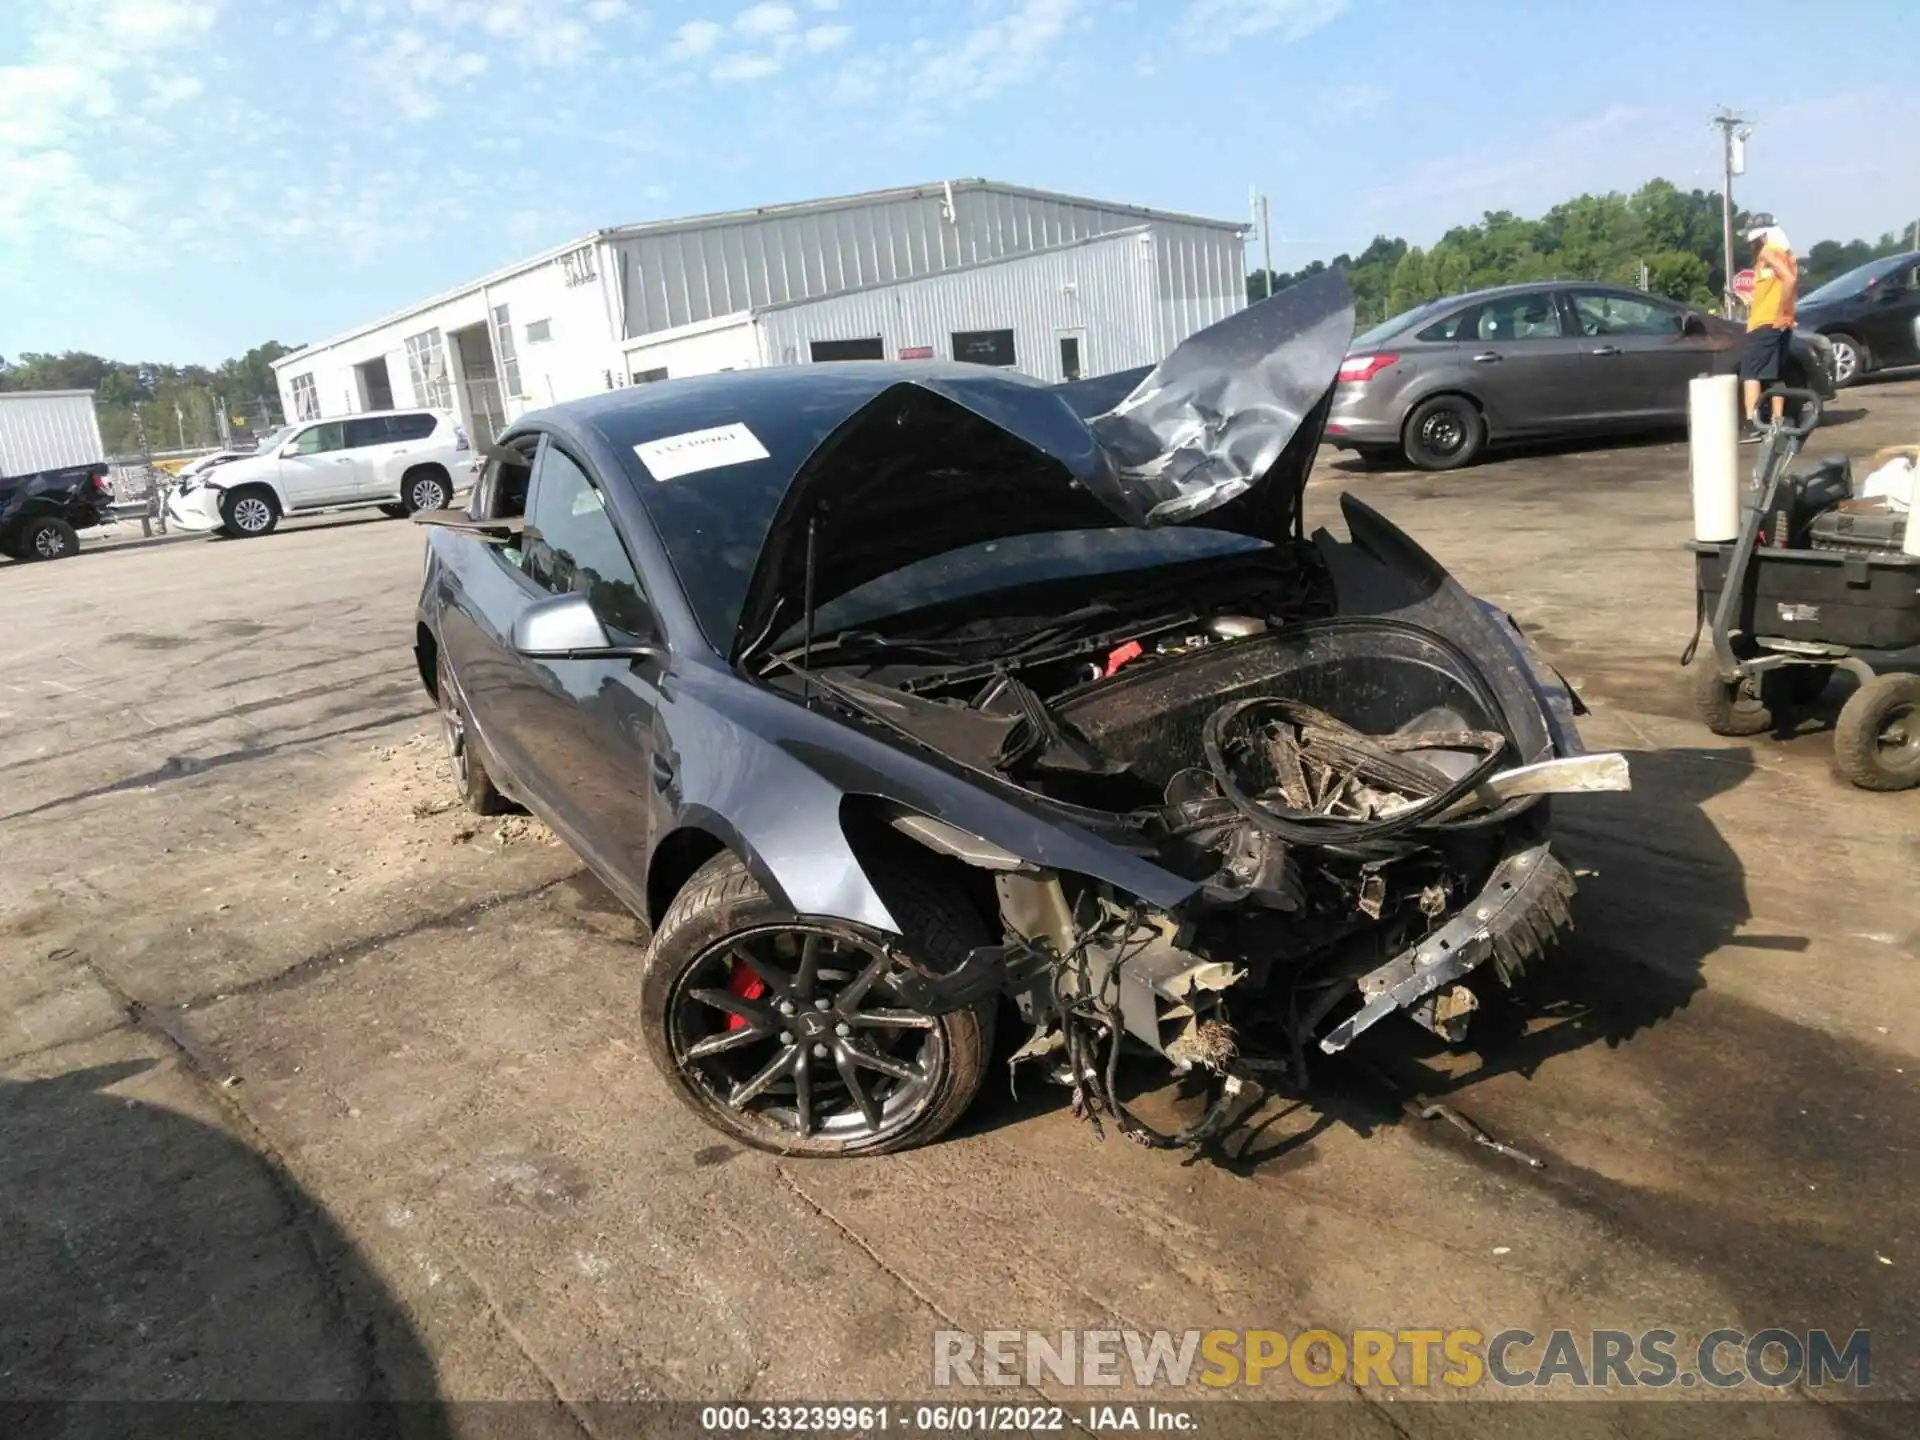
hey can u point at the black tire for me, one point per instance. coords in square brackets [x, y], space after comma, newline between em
[477, 790]
[249, 512]
[46, 538]
[1852, 366]
[394, 512]
[1876, 741]
[723, 926]
[1443, 433]
[425, 487]
[1739, 708]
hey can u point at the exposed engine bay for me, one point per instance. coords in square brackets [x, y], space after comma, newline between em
[1348, 792]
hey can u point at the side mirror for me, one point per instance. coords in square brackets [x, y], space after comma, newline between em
[1694, 325]
[566, 628]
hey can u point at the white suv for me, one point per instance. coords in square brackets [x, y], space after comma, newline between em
[399, 460]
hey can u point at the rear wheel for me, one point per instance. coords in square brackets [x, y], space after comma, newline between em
[1850, 360]
[1738, 707]
[477, 790]
[786, 1034]
[425, 489]
[249, 512]
[1876, 741]
[1443, 433]
[47, 538]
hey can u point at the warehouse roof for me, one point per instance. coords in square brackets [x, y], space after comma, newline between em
[734, 217]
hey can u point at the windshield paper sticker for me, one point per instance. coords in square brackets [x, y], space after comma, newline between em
[672, 456]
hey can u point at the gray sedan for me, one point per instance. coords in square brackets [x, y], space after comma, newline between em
[1562, 359]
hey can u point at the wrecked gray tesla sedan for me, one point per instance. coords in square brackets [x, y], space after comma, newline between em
[905, 700]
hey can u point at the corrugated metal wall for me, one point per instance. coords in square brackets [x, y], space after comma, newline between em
[682, 276]
[1102, 292]
[47, 430]
[1201, 278]
[1129, 298]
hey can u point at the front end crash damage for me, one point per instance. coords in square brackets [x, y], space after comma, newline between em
[1335, 754]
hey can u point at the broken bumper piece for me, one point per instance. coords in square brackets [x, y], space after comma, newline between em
[1521, 910]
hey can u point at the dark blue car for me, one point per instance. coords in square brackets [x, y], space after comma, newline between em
[905, 702]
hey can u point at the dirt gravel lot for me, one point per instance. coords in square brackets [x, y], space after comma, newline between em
[312, 1086]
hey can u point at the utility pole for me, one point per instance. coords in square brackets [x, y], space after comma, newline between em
[1266, 243]
[1732, 133]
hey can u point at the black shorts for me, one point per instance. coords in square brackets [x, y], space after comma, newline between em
[1765, 356]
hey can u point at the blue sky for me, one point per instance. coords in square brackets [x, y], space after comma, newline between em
[181, 179]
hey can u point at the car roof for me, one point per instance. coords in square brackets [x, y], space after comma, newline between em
[433, 410]
[1536, 287]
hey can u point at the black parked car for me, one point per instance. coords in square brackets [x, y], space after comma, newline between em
[40, 513]
[1871, 315]
[905, 701]
[1554, 360]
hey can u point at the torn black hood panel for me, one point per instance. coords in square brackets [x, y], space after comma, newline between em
[1220, 417]
[939, 458]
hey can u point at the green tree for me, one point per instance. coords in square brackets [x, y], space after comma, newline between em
[1679, 276]
[1411, 284]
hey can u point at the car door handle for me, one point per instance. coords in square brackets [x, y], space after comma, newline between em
[1488, 357]
[1605, 350]
[343, 460]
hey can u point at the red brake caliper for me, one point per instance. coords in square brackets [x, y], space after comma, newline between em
[742, 981]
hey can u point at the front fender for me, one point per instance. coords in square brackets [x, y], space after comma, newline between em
[768, 778]
[1384, 572]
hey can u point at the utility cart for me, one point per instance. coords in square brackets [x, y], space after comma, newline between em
[1814, 583]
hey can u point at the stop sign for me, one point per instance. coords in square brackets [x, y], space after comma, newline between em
[1743, 285]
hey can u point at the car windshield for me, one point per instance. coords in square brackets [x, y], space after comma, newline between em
[1018, 560]
[1405, 320]
[1856, 280]
[271, 440]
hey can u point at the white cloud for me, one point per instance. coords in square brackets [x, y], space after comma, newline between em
[822, 38]
[694, 39]
[744, 67]
[176, 89]
[989, 58]
[1214, 25]
[764, 21]
[90, 73]
[601, 11]
[824, 5]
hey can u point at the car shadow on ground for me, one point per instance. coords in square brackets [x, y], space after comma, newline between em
[1350, 464]
[151, 1257]
[1611, 981]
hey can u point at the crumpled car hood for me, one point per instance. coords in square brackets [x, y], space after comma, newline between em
[1224, 428]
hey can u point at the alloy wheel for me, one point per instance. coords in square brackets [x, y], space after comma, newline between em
[428, 494]
[1846, 362]
[251, 514]
[49, 543]
[797, 1026]
[453, 729]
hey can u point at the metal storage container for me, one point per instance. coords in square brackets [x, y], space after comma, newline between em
[48, 430]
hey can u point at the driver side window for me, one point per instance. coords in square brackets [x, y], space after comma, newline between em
[318, 440]
[1603, 313]
[571, 544]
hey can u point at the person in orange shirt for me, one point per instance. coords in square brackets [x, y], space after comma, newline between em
[1776, 287]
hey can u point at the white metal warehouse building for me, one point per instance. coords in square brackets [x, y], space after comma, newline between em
[1053, 285]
